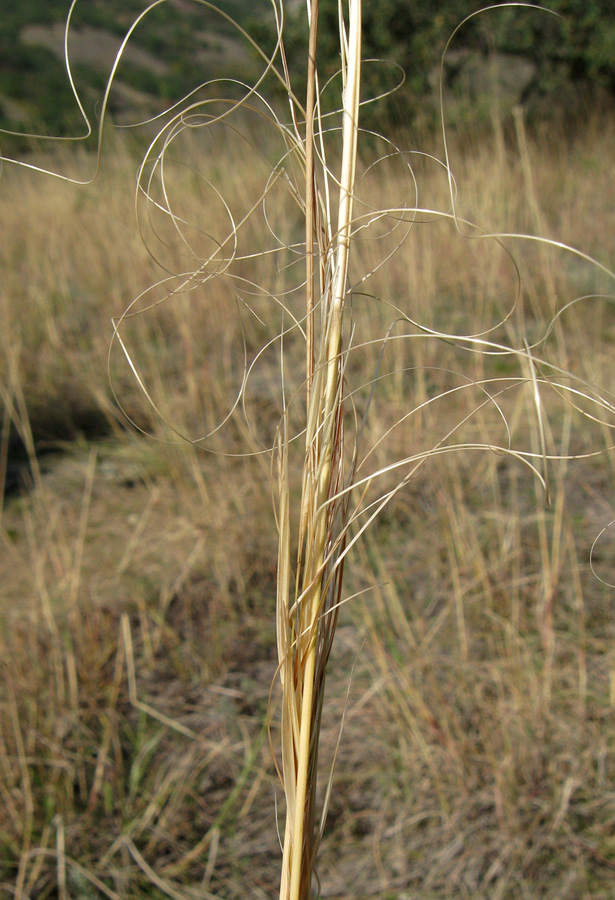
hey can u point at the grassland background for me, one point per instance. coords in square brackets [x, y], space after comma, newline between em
[137, 576]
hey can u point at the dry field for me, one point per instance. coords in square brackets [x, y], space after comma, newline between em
[475, 665]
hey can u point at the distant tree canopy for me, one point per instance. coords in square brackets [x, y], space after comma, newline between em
[576, 46]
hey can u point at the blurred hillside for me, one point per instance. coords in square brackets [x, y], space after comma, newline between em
[501, 57]
[178, 45]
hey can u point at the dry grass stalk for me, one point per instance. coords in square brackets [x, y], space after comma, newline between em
[307, 612]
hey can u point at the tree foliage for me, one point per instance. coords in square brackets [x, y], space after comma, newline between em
[576, 46]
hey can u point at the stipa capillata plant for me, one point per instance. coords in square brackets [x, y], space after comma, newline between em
[327, 240]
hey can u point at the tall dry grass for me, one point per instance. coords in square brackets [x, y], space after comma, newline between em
[476, 752]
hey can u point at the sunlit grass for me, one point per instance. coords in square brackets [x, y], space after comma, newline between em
[477, 751]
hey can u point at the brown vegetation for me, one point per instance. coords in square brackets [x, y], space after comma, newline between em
[137, 587]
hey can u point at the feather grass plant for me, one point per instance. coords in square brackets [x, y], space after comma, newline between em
[307, 615]
[341, 491]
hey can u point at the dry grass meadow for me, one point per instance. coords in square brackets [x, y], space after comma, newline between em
[475, 668]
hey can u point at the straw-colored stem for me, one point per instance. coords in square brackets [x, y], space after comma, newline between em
[310, 192]
[322, 433]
